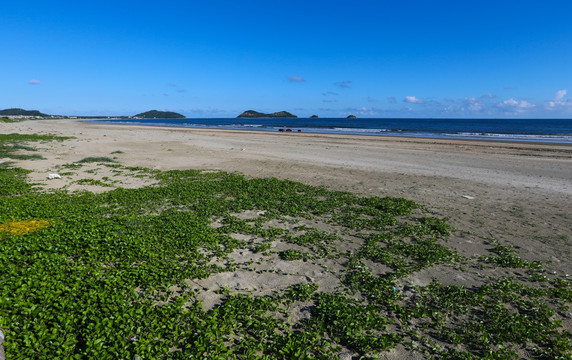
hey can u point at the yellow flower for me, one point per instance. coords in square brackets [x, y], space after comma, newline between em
[23, 227]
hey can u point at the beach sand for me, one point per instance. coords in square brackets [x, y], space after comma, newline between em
[517, 193]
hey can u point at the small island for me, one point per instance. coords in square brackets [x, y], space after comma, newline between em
[22, 113]
[154, 114]
[351, 117]
[251, 114]
[314, 117]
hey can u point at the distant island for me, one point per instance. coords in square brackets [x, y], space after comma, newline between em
[351, 117]
[154, 114]
[22, 113]
[314, 117]
[256, 114]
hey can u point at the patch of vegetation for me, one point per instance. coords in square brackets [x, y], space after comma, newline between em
[114, 275]
[25, 156]
[11, 138]
[291, 255]
[13, 181]
[9, 143]
[96, 159]
[93, 182]
[23, 227]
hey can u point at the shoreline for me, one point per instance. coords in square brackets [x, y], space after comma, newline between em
[406, 139]
[494, 137]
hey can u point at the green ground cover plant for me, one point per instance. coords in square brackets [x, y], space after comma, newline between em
[10, 143]
[114, 276]
[96, 159]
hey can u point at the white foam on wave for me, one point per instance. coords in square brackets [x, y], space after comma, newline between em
[514, 137]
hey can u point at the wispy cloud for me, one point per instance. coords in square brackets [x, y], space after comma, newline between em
[558, 102]
[392, 99]
[473, 104]
[370, 99]
[363, 111]
[34, 82]
[177, 88]
[515, 106]
[330, 93]
[343, 84]
[296, 79]
[329, 101]
[413, 100]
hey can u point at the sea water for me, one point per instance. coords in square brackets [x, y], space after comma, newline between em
[530, 130]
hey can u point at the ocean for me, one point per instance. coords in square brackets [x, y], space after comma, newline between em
[529, 130]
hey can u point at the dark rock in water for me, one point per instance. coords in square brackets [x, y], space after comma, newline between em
[314, 117]
[154, 114]
[351, 117]
[255, 114]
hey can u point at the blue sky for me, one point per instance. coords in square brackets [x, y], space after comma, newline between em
[330, 58]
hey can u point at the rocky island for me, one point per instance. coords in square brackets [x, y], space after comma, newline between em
[154, 114]
[255, 114]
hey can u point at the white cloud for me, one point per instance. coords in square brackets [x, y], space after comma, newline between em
[510, 102]
[558, 103]
[413, 100]
[473, 104]
[513, 105]
[364, 111]
[295, 79]
[560, 95]
[34, 82]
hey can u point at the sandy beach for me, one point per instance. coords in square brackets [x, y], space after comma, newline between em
[517, 193]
